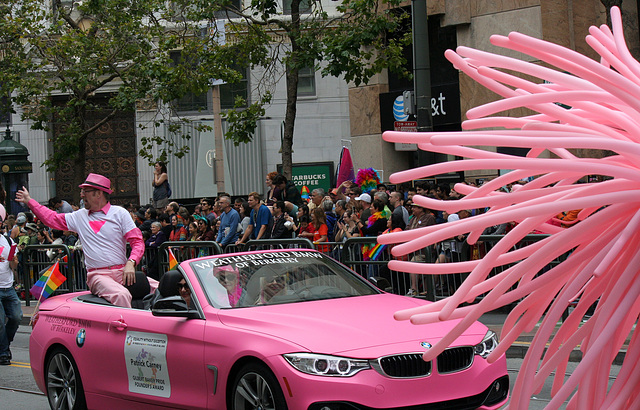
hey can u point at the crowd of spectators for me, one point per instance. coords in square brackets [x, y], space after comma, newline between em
[327, 219]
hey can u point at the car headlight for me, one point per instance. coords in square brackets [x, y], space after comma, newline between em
[488, 345]
[326, 365]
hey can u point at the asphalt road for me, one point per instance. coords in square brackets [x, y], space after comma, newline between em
[17, 387]
[19, 390]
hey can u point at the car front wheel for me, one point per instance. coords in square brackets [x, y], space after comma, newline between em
[255, 387]
[64, 387]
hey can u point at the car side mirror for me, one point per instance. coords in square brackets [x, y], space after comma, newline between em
[173, 306]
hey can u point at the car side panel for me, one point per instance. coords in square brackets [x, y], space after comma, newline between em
[160, 360]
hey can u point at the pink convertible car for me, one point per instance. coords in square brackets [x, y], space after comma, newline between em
[283, 329]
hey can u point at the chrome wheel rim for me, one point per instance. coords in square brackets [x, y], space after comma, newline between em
[61, 383]
[253, 392]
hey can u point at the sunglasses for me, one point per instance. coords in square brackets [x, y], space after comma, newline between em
[183, 286]
[228, 277]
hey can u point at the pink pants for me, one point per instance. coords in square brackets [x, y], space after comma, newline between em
[107, 283]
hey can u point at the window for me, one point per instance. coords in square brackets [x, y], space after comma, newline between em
[5, 112]
[229, 91]
[306, 82]
[190, 102]
[305, 6]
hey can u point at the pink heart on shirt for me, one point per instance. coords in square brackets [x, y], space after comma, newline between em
[96, 225]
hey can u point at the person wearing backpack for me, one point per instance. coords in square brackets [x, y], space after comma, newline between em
[161, 187]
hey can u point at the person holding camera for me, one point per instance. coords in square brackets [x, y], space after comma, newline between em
[282, 226]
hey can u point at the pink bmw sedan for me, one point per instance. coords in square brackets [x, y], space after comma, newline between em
[281, 329]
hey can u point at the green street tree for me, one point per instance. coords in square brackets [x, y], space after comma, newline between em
[57, 57]
[357, 42]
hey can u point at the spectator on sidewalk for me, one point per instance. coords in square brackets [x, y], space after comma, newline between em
[282, 224]
[206, 210]
[21, 221]
[259, 220]
[331, 219]
[396, 201]
[273, 192]
[165, 222]
[179, 232]
[244, 210]
[10, 307]
[160, 186]
[229, 221]
[377, 222]
[156, 239]
[288, 191]
[205, 233]
[150, 216]
[58, 239]
[60, 205]
[364, 204]
[317, 196]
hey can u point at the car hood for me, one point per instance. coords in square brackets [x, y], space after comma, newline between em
[362, 326]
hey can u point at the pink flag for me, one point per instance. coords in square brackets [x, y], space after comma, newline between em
[345, 169]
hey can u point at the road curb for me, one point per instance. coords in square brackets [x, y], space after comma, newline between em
[519, 350]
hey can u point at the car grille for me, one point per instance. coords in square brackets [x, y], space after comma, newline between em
[404, 365]
[411, 365]
[455, 359]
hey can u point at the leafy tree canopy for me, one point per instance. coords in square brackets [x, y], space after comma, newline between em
[81, 48]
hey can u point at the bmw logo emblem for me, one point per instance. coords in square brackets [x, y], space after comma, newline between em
[426, 345]
[80, 337]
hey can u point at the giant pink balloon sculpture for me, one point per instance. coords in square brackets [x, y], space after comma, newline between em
[604, 265]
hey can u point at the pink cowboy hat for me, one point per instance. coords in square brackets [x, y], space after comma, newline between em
[97, 181]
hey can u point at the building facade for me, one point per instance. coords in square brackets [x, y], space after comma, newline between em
[455, 23]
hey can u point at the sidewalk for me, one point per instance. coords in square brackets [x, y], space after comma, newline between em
[493, 320]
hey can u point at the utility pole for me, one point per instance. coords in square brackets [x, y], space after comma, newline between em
[421, 65]
[218, 160]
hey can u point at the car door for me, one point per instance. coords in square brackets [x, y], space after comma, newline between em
[157, 360]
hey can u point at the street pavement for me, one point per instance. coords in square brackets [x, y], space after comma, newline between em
[18, 389]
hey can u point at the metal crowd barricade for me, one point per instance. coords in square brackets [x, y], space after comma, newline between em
[183, 250]
[264, 244]
[353, 255]
[34, 261]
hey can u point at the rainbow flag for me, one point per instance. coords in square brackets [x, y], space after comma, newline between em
[48, 283]
[372, 253]
[173, 262]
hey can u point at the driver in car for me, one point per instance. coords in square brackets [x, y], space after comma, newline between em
[271, 286]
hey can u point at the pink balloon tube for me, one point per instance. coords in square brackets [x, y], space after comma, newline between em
[601, 259]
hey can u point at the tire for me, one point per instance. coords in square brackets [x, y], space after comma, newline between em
[63, 383]
[255, 387]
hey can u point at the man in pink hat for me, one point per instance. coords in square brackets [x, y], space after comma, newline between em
[104, 231]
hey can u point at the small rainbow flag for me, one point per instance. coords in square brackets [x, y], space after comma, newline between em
[48, 283]
[173, 262]
[372, 252]
[304, 192]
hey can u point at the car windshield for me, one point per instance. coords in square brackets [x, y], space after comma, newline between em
[276, 277]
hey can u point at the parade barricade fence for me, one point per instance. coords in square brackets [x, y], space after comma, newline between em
[34, 260]
[266, 244]
[355, 253]
[183, 250]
